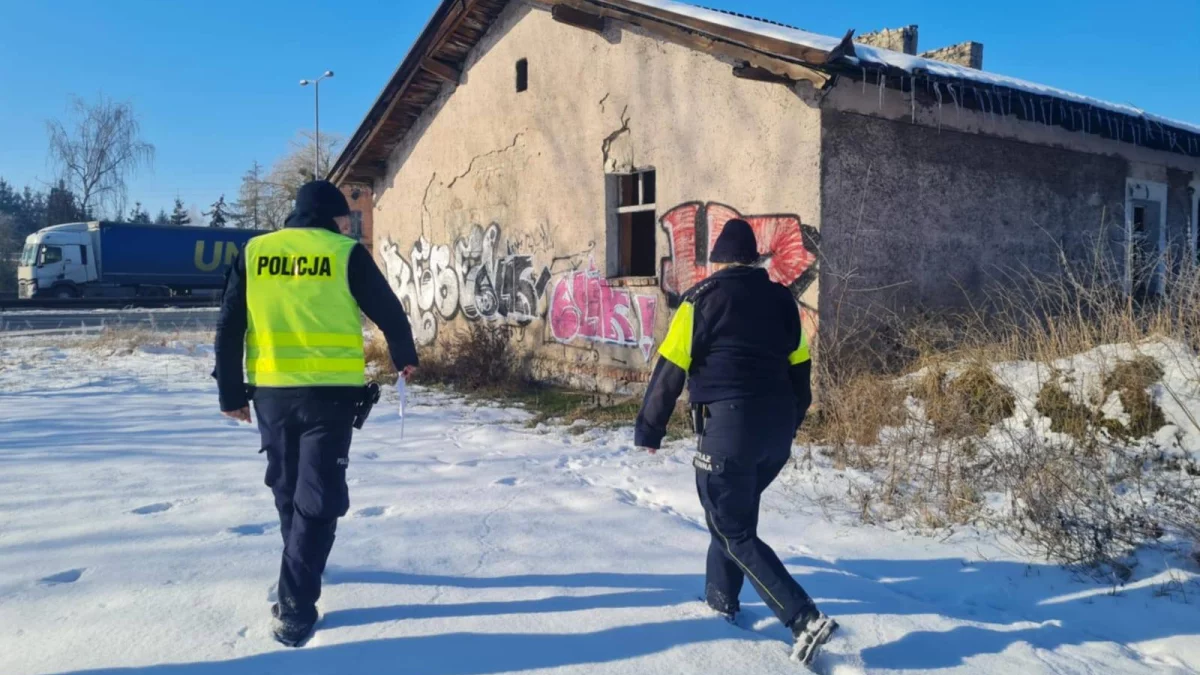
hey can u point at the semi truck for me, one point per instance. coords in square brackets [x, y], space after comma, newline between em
[123, 260]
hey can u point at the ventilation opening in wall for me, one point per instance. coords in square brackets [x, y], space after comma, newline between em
[632, 223]
[522, 75]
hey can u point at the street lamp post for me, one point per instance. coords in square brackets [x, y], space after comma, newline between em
[317, 117]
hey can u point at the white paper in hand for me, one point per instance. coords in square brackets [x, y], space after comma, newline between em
[402, 392]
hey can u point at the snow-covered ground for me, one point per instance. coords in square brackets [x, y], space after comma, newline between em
[136, 536]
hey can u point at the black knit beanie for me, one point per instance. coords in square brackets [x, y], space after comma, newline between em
[321, 199]
[736, 244]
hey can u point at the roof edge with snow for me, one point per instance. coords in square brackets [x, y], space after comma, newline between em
[436, 58]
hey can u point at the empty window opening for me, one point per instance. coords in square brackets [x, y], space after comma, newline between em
[1146, 244]
[632, 227]
[356, 225]
[522, 75]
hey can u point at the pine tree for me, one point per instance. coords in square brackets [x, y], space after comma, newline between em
[220, 214]
[138, 215]
[162, 218]
[180, 215]
[61, 206]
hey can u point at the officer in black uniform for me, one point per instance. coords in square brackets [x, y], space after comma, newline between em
[295, 307]
[736, 341]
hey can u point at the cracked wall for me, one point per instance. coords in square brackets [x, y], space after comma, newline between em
[530, 167]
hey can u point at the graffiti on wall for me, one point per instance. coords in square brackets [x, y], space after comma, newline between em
[584, 306]
[437, 282]
[787, 247]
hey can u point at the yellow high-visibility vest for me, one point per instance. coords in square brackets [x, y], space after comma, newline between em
[304, 327]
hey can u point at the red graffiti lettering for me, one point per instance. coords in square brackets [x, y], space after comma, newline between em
[787, 248]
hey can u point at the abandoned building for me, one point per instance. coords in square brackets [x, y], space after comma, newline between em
[562, 166]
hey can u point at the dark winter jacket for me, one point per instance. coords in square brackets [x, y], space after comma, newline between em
[369, 288]
[736, 335]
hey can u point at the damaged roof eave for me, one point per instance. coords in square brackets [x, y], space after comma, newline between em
[799, 62]
[340, 172]
[786, 54]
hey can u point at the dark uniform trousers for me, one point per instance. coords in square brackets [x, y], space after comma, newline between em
[306, 438]
[745, 444]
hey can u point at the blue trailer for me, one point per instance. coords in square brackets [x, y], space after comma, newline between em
[103, 259]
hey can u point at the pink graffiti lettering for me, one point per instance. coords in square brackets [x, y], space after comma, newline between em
[584, 306]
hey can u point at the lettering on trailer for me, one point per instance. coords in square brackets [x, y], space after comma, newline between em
[294, 266]
[223, 253]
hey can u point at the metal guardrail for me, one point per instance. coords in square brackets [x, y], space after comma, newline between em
[7, 305]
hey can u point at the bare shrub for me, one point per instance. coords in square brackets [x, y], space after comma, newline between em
[481, 357]
[1088, 499]
[379, 359]
[856, 411]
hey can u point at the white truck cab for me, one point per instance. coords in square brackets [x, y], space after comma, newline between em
[56, 261]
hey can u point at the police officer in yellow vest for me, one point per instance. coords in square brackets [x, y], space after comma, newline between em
[293, 301]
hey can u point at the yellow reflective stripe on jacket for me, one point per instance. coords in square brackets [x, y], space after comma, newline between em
[309, 378]
[801, 354]
[304, 327]
[676, 347]
[304, 340]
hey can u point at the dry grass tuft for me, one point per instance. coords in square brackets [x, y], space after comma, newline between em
[1131, 380]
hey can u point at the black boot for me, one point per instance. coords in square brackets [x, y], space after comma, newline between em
[290, 629]
[811, 631]
[717, 602]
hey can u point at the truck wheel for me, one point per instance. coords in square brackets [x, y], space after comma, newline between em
[64, 293]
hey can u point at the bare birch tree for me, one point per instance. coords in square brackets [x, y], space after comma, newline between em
[97, 150]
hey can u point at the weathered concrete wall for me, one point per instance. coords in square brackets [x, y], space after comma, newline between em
[495, 206]
[921, 203]
[913, 216]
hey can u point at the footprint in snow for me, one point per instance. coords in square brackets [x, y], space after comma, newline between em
[372, 512]
[68, 577]
[152, 508]
[509, 482]
[370, 455]
[251, 530]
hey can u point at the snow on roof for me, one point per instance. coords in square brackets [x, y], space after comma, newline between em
[911, 64]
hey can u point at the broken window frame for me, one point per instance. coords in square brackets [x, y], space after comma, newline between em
[619, 265]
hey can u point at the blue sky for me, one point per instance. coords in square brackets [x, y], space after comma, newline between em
[215, 83]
